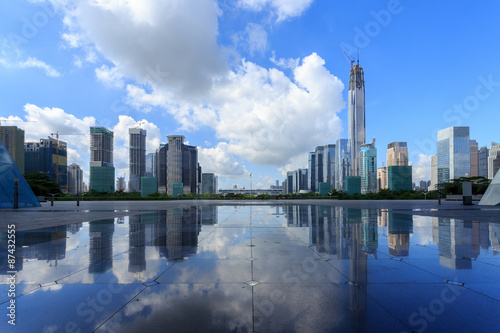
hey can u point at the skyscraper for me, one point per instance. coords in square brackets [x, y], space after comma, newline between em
[493, 160]
[474, 159]
[311, 183]
[49, 156]
[12, 138]
[102, 170]
[356, 116]
[397, 154]
[368, 170]
[208, 183]
[483, 154]
[342, 163]
[382, 178]
[178, 163]
[151, 165]
[319, 152]
[137, 157]
[434, 172]
[75, 179]
[329, 165]
[453, 149]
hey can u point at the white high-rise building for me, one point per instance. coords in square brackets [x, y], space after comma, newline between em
[356, 116]
[75, 179]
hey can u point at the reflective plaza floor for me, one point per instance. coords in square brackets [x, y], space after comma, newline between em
[283, 268]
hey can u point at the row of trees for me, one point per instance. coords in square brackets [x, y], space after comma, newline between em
[43, 186]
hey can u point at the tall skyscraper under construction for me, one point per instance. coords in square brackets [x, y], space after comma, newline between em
[356, 115]
[102, 170]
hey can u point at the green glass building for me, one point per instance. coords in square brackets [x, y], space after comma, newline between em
[399, 178]
[353, 184]
[102, 170]
[149, 185]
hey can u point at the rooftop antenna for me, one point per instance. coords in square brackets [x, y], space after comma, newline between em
[358, 55]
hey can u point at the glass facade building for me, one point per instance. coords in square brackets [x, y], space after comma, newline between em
[493, 160]
[399, 178]
[75, 179]
[453, 150]
[474, 158]
[329, 156]
[483, 154]
[397, 153]
[102, 170]
[49, 156]
[356, 116]
[208, 183]
[342, 163]
[353, 184]
[178, 163]
[149, 185]
[137, 158]
[368, 154]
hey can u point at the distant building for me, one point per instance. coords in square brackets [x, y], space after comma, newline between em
[434, 173]
[75, 179]
[329, 155]
[483, 154]
[208, 183]
[102, 170]
[312, 173]
[121, 184]
[48, 158]
[368, 169]
[453, 149]
[178, 163]
[424, 185]
[382, 178]
[318, 167]
[397, 154]
[342, 163]
[137, 158]
[12, 138]
[474, 159]
[493, 160]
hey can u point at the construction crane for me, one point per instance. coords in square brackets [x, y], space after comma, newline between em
[57, 153]
[352, 61]
[138, 124]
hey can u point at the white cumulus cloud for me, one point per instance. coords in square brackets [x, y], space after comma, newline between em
[283, 8]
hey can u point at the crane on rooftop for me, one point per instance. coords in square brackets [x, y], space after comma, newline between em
[57, 153]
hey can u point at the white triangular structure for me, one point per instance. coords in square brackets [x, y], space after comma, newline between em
[492, 195]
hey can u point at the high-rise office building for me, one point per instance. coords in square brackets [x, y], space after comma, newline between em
[137, 155]
[493, 160]
[12, 138]
[302, 177]
[483, 154]
[151, 165]
[319, 152]
[75, 179]
[208, 183]
[311, 183]
[474, 159]
[177, 163]
[102, 170]
[453, 149]
[382, 178]
[329, 155]
[434, 173]
[368, 170]
[342, 163]
[397, 154]
[356, 116]
[49, 156]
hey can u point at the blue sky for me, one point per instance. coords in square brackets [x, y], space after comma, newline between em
[256, 84]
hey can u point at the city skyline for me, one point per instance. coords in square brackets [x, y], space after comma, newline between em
[281, 69]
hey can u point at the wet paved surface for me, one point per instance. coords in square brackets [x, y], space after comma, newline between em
[260, 268]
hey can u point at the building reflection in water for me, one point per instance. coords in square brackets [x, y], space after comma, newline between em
[101, 245]
[399, 228]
